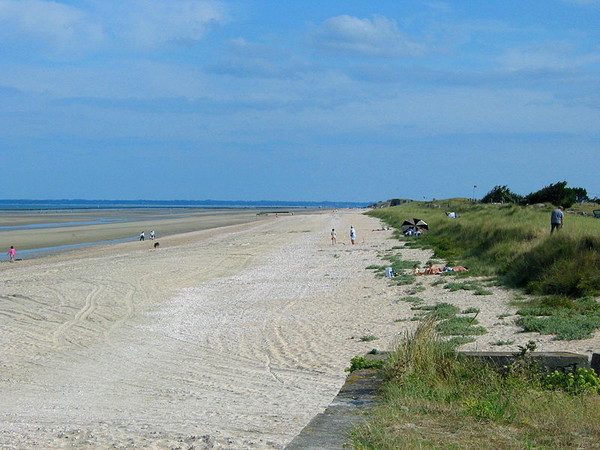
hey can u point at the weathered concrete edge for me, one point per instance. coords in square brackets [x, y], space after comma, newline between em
[332, 428]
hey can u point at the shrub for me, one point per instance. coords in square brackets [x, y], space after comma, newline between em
[578, 382]
[360, 362]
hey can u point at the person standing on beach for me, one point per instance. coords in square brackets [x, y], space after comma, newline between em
[556, 219]
[152, 235]
[142, 237]
[12, 253]
[352, 235]
[333, 236]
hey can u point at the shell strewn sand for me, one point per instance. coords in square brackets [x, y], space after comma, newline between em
[231, 338]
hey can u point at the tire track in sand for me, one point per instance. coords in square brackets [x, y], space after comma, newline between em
[60, 336]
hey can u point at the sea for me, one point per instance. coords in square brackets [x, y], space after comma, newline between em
[120, 204]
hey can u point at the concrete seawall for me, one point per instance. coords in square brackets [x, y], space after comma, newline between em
[332, 429]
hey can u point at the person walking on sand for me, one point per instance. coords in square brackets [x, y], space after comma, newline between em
[352, 235]
[142, 236]
[152, 235]
[12, 253]
[556, 219]
[333, 236]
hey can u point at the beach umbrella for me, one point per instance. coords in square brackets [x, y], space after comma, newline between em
[415, 225]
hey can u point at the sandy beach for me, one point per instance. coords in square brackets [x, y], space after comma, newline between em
[230, 337]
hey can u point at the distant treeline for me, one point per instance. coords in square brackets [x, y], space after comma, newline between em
[557, 194]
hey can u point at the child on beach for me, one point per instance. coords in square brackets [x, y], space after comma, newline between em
[333, 236]
[12, 254]
[352, 235]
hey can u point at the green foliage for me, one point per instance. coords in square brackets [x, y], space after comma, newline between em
[562, 265]
[468, 286]
[431, 389]
[513, 242]
[557, 194]
[457, 341]
[439, 310]
[565, 326]
[360, 362]
[581, 195]
[492, 407]
[568, 319]
[416, 290]
[399, 267]
[501, 194]
[403, 279]
[461, 326]
[368, 338]
[481, 291]
[574, 383]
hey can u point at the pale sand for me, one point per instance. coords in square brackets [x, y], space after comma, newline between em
[229, 338]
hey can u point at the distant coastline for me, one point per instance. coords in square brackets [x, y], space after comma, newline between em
[25, 204]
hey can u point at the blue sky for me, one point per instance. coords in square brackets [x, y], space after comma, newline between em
[301, 100]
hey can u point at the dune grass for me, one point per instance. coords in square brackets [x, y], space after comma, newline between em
[509, 241]
[434, 398]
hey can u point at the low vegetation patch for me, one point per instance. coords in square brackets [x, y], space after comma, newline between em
[360, 362]
[468, 286]
[434, 398]
[439, 310]
[566, 318]
[460, 326]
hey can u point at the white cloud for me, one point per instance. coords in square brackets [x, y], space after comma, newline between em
[152, 23]
[59, 28]
[378, 36]
[50, 24]
[554, 56]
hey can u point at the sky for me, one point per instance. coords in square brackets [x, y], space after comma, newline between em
[337, 100]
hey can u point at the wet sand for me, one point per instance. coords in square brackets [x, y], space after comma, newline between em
[25, 230]
[231, 337]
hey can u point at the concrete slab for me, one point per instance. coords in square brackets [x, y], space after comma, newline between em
[332, 428]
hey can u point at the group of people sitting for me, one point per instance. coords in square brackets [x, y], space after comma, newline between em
[432, 270]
